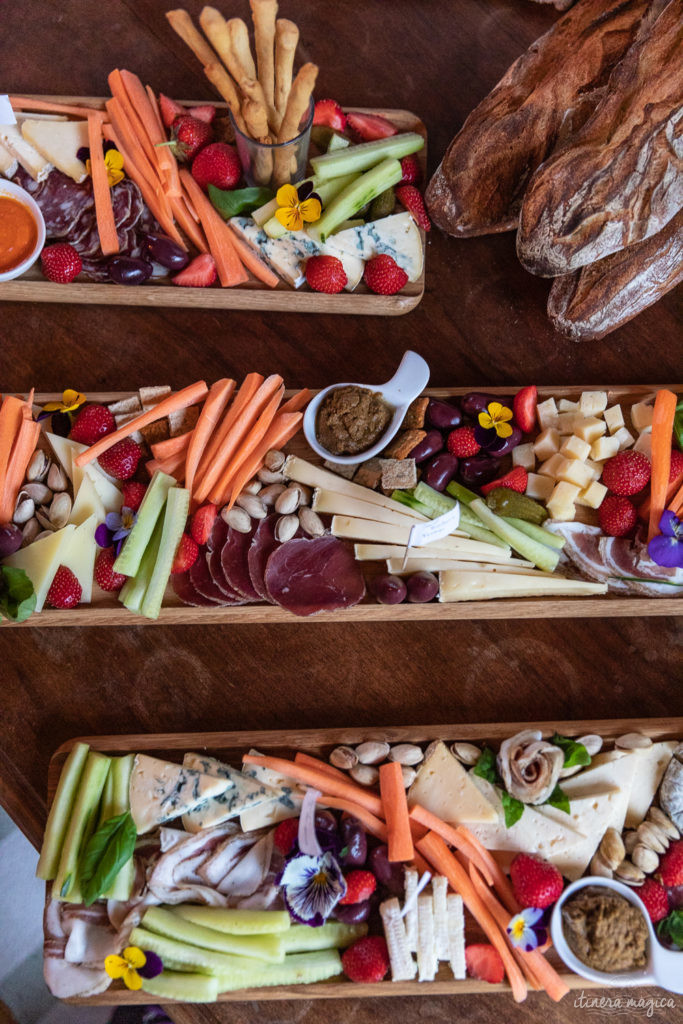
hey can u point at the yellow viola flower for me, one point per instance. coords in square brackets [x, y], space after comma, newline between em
[126, 967]
[70, 400]
[496, 417]
[297, 207]
[114, 164]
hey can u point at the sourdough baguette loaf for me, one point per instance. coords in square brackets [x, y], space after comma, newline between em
[598, 298]
[547, 93]
[621, 179]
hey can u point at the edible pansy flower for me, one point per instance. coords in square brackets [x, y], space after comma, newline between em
[297, 206]
[119, 525]
[666, 548]
[312, 887]
[71, 400]
[496, 417]
[112, 159]
[129, 966]
[527, 930]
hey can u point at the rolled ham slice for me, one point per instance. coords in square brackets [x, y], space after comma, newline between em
[317, 575]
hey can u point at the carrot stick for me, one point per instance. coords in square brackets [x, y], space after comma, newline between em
[20, 456]
[253, 262]
[104, 213]
[677, 503]
[124, 130]
[218, 234]
[662, 428]
[502, 920]
[284, 426]
[171, 446]
[26, 103]
[187, 222]
[250, 385]
[672, 488]
[172, 464]
[395, 804]
[251, 441]
[172, 403]
[153, 129]
[438, 854]
[314, 762]
[297, 401]
[174, 189]
[424, 817]
[500, 880]
[212, 410]
[319, 780]
[120, 93]
[374, 825]
[11, 418]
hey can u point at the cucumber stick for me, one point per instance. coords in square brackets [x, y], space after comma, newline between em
[234, 921]
[434, 503]
[327, 190]
[204, 961]
[332, 935]
[133, 591]
[553, 540]
[188, 988]
[355, 196]
[543, 557]
[137, 540]
[60, 812]
[118, 781]
[175, 519]
[298, 969]
[81, 823]
[262, 947]
[107, 804]
[365, 155]
[463, 494]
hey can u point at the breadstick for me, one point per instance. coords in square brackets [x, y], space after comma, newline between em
[263, 13]
[251, 87]
[257, 124]
[241, 50]
[286, 40]
[215, 29]
[181, 23]
[298, 102]
[221, 80]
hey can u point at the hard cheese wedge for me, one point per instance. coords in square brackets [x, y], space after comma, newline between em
[65, 450]
[27, 155]
[160, 791]
[59, 142]
[590, 815]
[110, 495]
[397, 236]
[41, 560]
[80, 556]
[8, 163]
[455, 585]
[651, 763]
[241, 793]
[444, 787]
[87, 504]
[287, 803]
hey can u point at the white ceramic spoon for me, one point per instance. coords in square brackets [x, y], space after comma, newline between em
[408, 382]
[664, 967]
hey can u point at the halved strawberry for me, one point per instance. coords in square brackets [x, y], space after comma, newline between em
[411, 197]
[524, 407]
[202, 523]
[370, 126]
[329, 113]
[169, 109]
[186, 555]
[411, 170]
[206, 112]
[484, 962]
[516, 480]
[200, 273]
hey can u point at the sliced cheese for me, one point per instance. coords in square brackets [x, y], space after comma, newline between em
[161, 790]
[8, 162]
[286, 805]
[425, 563]
[479, 586]
[591, 815]
[397, 236]
[80, 555]
[27, 155]
[330, 503]
[110, 495]
[651, 763]
[443, 787]
[381, 552]
[302, 472]
[240, 793]
[65, 450]
[351, 528]
[40, 561]
[87, 504]
[59, 142]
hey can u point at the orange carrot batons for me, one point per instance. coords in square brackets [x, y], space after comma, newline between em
[662, 429]
[104, 212]
[217, 399]
[395, 804]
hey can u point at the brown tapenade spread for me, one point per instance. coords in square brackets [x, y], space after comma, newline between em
[350, 419]
[604, 930]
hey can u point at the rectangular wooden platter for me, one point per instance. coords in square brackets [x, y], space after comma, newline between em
[105, 610]
[230, 746]
[33, 287]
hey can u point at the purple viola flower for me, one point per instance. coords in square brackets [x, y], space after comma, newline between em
[527, 930]
[103, 537]
[312, 887]
[119, 525]
[153, 965]
[666, 549]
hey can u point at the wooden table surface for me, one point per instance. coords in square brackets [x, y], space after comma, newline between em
[482, 321]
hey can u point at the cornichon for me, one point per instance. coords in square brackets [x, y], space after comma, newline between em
[355, 196]
[365, 155]
[236, 921]
[60, 812]
[187, 988]
[506, 502]
[302, 938]
[81, 823]
[543, 557]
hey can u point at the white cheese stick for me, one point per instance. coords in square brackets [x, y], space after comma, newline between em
[302, 472]
[441, 940]
[410, 878]
[427, 961]
[352, 528]
[8, 162]
[482, 586]
[403, 967]
[424, 563]
[456, 935]
[341, 504]
[380, 552]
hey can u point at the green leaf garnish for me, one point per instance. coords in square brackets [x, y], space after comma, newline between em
[17, 596]
[485, 767]
[238, 200]
[107, 850]
[670, 928]
[574, 753]
[513, 808]
[65, 888]
[558, 798]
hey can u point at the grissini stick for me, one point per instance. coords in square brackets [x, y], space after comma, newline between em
[215, 29]
[286, 41]
[297, 105]
[181, 23]
[256, 121]
[263, 13]
[239, 44]
[221, 80]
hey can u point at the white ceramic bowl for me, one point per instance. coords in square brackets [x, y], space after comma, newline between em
[8, 188]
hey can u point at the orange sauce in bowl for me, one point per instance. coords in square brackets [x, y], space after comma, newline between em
[18, 233]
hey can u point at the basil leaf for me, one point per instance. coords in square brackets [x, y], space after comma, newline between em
[574, 753]
[65, 888]
[107, 850]
[17, 596]
[238, 200]
[513, 808]
[485, 767]
[670, 928]
[558, 798]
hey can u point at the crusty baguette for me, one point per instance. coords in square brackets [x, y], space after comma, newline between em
[600, 297]
[555, 85]
[621, 178]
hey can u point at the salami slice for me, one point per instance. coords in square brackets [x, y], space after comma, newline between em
[219, 535]
[235, 565]
[203, 582]
[309, 576]
[182, 587]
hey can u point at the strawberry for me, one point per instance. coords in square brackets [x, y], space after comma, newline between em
[186, 555]
[326, 274]
[484, 962]
[383, 275]
[133, 493]
[65, 590]
[617, 516]
[121, 460]
[169, 109]
[217, 164]
[367, 959]
[411, 198]
[535, 882]
[330, 114]
[655, 899]
[285, 835]
[524, 408]
[61, 263]
[188, 135]
[206, 112]
[202, 523]
[360, 886]
[516, 480]
[369, 127]
[676, 466]
[412, 172]
[105, 577]
[671, 865]
[91, 423]
[200, 273]
[627, 472]
[462, 442]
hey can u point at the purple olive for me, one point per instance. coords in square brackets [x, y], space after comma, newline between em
[389, 589]
[10, 539]
[428, 446]
[504, 445]
[390, 875]
[422, 587]
[478, 469]
[129, 270]
[355, 843]
[443, 415]
[352, 913]
[478, 401]
[325, 821]
[166, 252]
[440, 471]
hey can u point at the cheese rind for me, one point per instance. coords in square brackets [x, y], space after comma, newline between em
[443, 787]
[22, 150]
[161, 790]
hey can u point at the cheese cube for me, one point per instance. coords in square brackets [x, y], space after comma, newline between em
[547, 414]
[624, 437]
[604, 448]
[547, 443]
[561, 502]
[592, 403]
[595, 468]
[576, 472]
[575, 448]
[589, 429]
[539, 487]
[553, 466]
[614, 418]
[565, 422]
[641, 415]
[564, 405]
[592, 495]
[644, 444]
[523, 455]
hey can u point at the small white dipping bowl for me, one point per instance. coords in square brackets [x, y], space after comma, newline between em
[8, 188]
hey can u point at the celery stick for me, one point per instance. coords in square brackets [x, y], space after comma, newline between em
[543, 557]
[327, 190]
[463, 494]
[236, 921]
[137, 540]
[365, 155]
[119, 773]
[133, 591]
[60, 812]
[82, 820]
[354, 197]
[175, 518]
[332, 935]
[262, 947]
[537, 532]
[188, 988]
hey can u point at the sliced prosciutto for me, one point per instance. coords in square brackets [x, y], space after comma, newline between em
[234, 561]
[318, 575]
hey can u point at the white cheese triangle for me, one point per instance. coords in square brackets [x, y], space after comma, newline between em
[650, 765]
[110, 495]
[80, 556]
[161, 790]
[87, 504]
[28, 156]
[59, 142]
[65, 449]
[40, 560]
[615, 773]
[8, 162]
[240, 793]
[443, 787]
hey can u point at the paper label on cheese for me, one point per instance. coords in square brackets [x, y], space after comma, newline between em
[422, 534]
[6, 112]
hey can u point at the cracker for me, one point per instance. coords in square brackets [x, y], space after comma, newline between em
[414, 418]
[340, 469]
[182, 420]
[368, 474]
[126, 405]
[154, 432]
[403, 443]
[152, 396]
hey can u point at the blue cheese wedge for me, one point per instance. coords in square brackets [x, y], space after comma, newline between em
[240, 794]
[287, 804]
[398, 236]
[161, 790]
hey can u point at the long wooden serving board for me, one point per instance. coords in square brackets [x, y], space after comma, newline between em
[105, 610]
[230, 746]
[33, 287]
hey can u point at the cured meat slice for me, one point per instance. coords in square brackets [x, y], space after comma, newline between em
[262, 547]
[188, 594]
[203, 582]
[309, 576]
[219, 536]
[624, 557]
[235, 565]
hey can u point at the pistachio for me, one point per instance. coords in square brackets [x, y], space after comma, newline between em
[598, 866]
[288, 501]
[659, 818]
[364, 774]
[633, 741]
[56, 478]
[274, 460]
[592, 743]
[252, 505]
[30, 532]
[40, 494]
[431, 748]
[24, 509]
[467, 753]
[253, 487]
[60, 510]
[305, 493]
[38, 466]
[344, 758]
[406, 754]
[268, 476]
[311, 523]
[612, 849]
[237, 518]
[409, 775]
[645, 858]
[271, 493]
[285, 528]
[629, 873]
[43, 517]
[651, 835]
[372, 752]
[630, 840]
